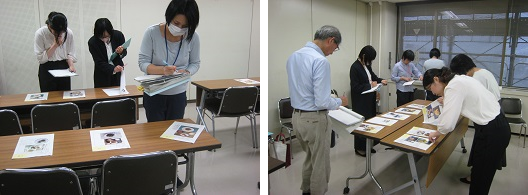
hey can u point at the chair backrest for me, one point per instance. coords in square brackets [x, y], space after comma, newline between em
[9, 123]
[53, 117]
[285, 109]
[57, 181]
[419, 94]
[149, 173]
[511, 106]
[114, 112]
[238, 100]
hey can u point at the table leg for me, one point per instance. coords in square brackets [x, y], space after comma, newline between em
[368, 169]
[415, 180]
[200, 101]
[189, 175]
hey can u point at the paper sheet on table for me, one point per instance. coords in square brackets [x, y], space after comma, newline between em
[408, 83]
[416, 137]
[36, 97]
[394, 115]
[372, 89]
[369, 128]
[382, 121]
[125, 46]
[184, 132]
[408, 111]
[62, 73]
[108, 139]
[33, 146]
[247, 81]
[346, 116]
[74, 94]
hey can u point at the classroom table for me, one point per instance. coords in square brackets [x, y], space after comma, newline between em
[207, 88]
[370, 138]
[73, 149]
[23, 108]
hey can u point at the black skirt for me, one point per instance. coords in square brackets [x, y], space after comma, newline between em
[496, 134]
[50, 83]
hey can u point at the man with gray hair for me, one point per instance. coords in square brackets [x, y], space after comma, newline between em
[309, 86]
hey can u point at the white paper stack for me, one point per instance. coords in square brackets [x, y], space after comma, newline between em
[62, 73]
[153, 85]
[345, 119]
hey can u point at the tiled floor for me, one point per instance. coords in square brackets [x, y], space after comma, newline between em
[232, 169]
[391, 169]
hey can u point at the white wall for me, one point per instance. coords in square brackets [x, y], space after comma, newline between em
[229, 32]
[292, 23]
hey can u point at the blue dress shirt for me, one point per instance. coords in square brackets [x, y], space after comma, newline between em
[402, 70]
[309, 79]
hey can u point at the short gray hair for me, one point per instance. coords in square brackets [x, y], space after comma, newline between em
[328, 31]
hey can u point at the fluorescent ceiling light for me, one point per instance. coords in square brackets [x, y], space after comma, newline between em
[461, 25]
[450, 14]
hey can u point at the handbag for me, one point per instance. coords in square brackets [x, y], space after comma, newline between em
[282, 149]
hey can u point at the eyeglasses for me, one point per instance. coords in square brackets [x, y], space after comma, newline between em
[336, 49]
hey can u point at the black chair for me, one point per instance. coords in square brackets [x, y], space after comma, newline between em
[10, 124]
[235, 102]
[149, 173]
[54, 117]
[114, 112]
[285, 117]
[512, 108]
[419, 94]
[56, 181]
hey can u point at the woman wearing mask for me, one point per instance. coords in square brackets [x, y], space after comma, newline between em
[102, 44]
[55, 50]
[362, 78]
[167, 48]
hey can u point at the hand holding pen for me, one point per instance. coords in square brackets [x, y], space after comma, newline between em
[168, 69]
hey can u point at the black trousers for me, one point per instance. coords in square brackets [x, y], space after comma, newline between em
[48, 82]
[488, 149]
[403, 97]
[164, 107]
[360, 143]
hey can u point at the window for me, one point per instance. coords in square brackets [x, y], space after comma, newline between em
[486, 31]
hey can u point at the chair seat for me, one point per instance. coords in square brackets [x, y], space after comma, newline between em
[515, 120]
[288, 125]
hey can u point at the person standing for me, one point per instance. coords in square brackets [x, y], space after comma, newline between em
[102, 44]
[463, 65]
[168, 48]
[402, 72]
[54, 49]
[362, 78]
[309, 87]
[434, 62]
[463, 95]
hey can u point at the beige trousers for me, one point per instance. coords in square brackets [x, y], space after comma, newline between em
[313, 132]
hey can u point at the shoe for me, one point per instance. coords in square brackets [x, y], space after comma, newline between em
[464, 180]
[306, 193]
[362, 153]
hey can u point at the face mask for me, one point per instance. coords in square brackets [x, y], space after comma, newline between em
[106, 40]
[177, 31]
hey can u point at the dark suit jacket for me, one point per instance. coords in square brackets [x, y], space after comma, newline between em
[364, 104]
[103, 71]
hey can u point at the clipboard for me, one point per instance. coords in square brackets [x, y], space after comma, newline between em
[125, 46]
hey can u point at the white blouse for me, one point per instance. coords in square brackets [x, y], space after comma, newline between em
[43, 41]
[466, 96]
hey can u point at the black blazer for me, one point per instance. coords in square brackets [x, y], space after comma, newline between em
[364, 104]
[103, 71]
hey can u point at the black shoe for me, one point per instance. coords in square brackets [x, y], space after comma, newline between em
[464, 180]
[362, 153]
[306, 193]
[179, 183]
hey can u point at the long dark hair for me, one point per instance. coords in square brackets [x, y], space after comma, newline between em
[59, 23]
[444, 75]
[189, 8]
[102, 25]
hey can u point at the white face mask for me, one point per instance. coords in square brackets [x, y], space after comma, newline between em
[177, 31]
